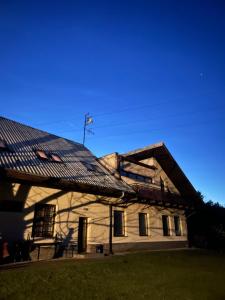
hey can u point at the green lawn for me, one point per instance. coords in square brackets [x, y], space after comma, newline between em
[162, 275]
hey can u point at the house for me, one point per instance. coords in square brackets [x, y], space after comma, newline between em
[56, 194]
[157, 217]
[53, 189]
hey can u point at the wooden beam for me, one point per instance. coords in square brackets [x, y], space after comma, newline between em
[133, 161]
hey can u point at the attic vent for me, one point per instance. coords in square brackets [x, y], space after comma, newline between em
[3, 146]
[41, 154]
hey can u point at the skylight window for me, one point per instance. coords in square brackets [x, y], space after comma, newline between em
[3, 145]
[51, 157]
[92, 168]
[41, 154]
[55, 157]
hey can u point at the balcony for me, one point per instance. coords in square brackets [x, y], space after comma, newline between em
[153, 195]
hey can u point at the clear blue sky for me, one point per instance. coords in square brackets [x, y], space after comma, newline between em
[147, 71]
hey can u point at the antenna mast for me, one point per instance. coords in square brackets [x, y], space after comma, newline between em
[88, 120]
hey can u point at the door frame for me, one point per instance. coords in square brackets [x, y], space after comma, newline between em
[82, 234]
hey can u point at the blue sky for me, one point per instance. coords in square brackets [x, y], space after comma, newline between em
[147, 71]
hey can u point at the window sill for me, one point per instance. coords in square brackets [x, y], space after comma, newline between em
[120, 235]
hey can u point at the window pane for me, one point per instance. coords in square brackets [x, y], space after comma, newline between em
[165, 225]
[177, 225]
[41, 154]
[118, 223]
[56, 158]
[44, 218]
[143, 230]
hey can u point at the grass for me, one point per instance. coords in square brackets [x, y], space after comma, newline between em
[165, 275]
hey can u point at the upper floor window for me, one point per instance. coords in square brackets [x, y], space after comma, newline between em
[118, 223]
[135, 176]
[165, 223]
[177, 225]
[44, 220]
[143, 224]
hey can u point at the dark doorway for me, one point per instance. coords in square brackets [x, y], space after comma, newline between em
[82, 235]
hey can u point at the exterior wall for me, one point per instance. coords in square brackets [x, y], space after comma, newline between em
[155, 230]
[155, 238]
[69, 207]
[109, 161]
[72, 205]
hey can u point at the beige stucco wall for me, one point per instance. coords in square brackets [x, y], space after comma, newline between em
[72, 205]
[155, 231]
[154, 219]
[109, 161]
[69, 207]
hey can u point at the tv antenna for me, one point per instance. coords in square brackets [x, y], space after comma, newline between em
[88, 120]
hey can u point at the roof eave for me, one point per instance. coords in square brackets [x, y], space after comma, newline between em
[63, 184]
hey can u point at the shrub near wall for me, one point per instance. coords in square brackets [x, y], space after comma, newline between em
[206, 226]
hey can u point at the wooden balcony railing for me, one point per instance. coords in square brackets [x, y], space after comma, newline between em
[154, 195]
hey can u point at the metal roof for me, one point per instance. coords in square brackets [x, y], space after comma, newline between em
[22, 142]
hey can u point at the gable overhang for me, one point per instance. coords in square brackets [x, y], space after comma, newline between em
[160, 152]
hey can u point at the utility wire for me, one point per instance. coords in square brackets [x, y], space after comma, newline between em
[144, 121]
[131, 108]
[119, 111]
[151, 129]
[156, 129]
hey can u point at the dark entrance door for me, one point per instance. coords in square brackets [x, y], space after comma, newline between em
[82, 235]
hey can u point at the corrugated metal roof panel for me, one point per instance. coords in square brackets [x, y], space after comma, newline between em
[23, 140]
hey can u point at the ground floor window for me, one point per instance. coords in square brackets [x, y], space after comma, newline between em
[165, 223]
[143, 224]
[44, 219]
[118, 223]
[177, 225]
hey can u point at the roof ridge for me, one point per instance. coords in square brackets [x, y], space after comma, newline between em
[151, 146]
[43, 131]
